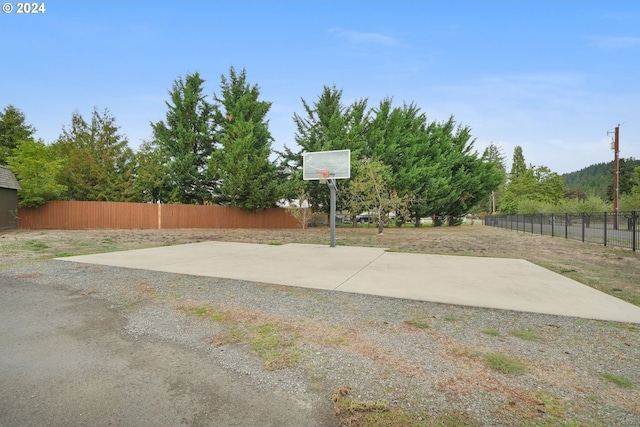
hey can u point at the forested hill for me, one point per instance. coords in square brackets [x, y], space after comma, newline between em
[596, 179]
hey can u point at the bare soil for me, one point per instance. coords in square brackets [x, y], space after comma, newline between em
[615, 271]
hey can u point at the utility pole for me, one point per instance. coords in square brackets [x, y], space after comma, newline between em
[616, 176]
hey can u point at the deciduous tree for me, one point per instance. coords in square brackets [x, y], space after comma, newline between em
[370, 191]
[537, 183]
[37, 168]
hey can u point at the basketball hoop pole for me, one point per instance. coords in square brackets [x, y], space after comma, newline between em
[332, 219]
[327, 167]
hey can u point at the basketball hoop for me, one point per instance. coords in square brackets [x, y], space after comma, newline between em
[325, 176]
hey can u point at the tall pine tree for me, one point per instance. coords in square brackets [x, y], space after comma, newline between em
[13, 129]
[246, 177]
[98, 164]
[187, 141]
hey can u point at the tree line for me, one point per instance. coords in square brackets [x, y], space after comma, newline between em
[219, 150]
[536, 189]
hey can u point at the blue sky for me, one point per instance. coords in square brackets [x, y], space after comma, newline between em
[550, 76]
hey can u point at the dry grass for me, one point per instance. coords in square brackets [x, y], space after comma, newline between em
[280, 341]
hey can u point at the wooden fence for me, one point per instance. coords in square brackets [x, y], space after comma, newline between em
[71, 215]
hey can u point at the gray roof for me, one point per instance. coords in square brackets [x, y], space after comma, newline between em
[8, 179]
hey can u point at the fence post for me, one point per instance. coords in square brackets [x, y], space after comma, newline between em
[541, 233]
[605, 228]
[582, 215]
[553, 224]
[634, 225]
[532, 217]
[566, 225]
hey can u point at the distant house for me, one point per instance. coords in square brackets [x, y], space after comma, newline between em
[8, 199]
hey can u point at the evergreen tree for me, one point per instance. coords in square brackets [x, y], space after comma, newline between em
[625, 178]
[187, 141]
[597, 179]
[518, 166]
[13, 129]
[152, 183]
[432, 164]
[493, 154]
[631, 201]
[328, 125]
[241, 166]
[98, 165]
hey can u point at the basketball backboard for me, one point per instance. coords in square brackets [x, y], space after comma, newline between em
[335, 164]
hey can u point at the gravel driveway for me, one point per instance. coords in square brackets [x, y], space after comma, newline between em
[96, 345]
[71, 358]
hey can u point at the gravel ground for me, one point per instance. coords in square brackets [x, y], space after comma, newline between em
[424, 360]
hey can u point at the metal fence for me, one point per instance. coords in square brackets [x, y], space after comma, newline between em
[622, 229]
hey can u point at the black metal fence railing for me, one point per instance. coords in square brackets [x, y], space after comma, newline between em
[622, 229]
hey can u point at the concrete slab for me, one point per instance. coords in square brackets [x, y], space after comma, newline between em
[510, 284]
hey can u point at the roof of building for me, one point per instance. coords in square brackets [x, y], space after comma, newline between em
[8, 179]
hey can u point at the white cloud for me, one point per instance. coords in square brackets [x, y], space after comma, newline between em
[364, 38]
[610, 42]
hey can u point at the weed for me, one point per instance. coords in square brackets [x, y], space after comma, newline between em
[276, 243]
[274, 348]
[449, 318]
[616, 379]
[525, 334]
[201, 311]
[492, 332]
[35, 245]
[464, 352]
[417, 323]
[268, 340]
[335, 341]
[630, 328]
[504, 363]
[552, 405]
[370, 413]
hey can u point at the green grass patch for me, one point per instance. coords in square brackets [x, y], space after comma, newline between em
[201, 311]
[504, 363]
[271, 342]
[492, 332]
[275, 243]
[616, 379]
[275, 349]
[34, 245]
[625, 326]
[528, 334]
[418, 323]
[379, 413]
